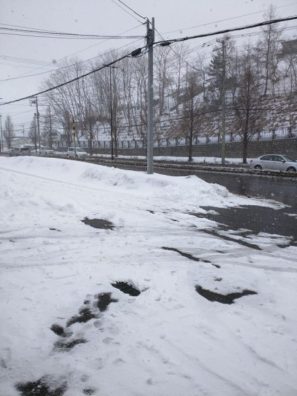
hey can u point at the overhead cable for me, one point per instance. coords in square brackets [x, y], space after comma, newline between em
[59, 35]
[224, 31]
[131, 9]
[226, 19]
[65, 57]
[73, 79]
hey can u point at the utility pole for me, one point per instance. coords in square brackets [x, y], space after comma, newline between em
[223, 102]
[113, 131]
[190, 100]
[50, 129]
[74, 136]
[38, 122]
[35, 101]
[150, 94]
[35, 133]
[111, 115]
[1, 137]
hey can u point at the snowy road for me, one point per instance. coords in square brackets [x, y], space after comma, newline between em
[213, 311]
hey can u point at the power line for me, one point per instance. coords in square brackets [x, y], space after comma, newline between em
[131, 9]
[62, 35]
[226, 19]
[23, 60]
[255, 25]
[210, 42]
[65, 57]
[186, 62]
[76, 78]
[57, 69]
[126, 11]
[162, 43]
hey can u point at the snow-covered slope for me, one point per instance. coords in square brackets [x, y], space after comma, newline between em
[167, 340]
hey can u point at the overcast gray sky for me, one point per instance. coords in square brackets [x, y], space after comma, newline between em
[20, 56]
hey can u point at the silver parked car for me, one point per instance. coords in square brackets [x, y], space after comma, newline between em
[275, 162]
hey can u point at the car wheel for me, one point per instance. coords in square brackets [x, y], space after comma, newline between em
[259, 167]
[291, 169]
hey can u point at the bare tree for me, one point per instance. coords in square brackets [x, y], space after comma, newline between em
[163, 80]
[48, 128]
[33, 132]
[248, 103]
[269, 48]
[178, 72]
[70, 102]
[8, 131]
[221, 80]
[191, 91]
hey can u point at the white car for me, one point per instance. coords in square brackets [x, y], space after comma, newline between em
[275, 162]
[77, 152]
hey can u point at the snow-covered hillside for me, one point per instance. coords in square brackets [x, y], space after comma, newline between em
[68, 323]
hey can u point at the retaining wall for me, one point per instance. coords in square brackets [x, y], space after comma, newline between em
[233, 150]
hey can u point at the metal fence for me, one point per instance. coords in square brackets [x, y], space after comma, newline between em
[283, 133]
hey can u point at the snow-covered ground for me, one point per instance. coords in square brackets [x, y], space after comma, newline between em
[168, 340]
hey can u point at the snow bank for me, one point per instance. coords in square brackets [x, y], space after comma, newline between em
[176, 191]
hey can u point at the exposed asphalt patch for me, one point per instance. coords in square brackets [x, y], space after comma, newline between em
[85, 314]
[40, 388]
[255, 219]
[222, 298]
[59, 330]
[190, 257]
[63, 346]
[103, 301]
[89, 391]
[150, 211]
[228, 238]
[54, 229]
[99, 223]
[126, 288]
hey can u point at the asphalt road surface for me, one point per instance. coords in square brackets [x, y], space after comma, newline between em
[256, 219]
[276, 188]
